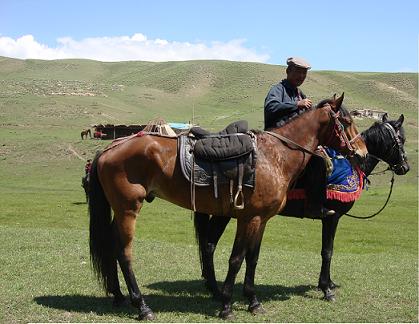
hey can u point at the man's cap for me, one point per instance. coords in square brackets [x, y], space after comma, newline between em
[299, 62]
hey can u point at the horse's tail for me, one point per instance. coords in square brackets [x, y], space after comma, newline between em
[101, 240]
[201, 222]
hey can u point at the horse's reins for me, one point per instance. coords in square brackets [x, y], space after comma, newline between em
[388, 197]
[340, 130]
[289, 141]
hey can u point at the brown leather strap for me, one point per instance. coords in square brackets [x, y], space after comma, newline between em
[288, 141]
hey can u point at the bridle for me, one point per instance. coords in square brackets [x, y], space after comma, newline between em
[392, 168]
[397, 144]
[339, 132]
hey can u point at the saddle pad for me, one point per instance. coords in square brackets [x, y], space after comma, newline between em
[203, 170]
[344, 184]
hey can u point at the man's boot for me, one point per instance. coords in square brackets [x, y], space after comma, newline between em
[315, 187]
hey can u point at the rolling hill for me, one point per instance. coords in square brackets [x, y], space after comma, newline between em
[45, 104]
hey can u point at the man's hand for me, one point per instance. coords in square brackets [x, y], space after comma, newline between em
[305, 103]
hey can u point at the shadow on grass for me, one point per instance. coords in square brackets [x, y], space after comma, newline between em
[80, 203]
[188, 296]
[85, 304]
[263, 292]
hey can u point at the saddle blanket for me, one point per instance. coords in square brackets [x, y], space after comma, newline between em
[345, 184]
[202, 171]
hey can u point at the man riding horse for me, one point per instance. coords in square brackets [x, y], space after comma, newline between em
[283, 101]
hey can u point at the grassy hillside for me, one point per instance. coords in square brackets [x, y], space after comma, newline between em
[49, 102]
[43, 223]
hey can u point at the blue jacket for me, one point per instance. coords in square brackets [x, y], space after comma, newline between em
[281, 102]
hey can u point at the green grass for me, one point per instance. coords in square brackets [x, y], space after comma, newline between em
[44, 261]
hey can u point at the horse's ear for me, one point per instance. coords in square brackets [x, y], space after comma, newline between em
[338, 101]
[385, 117]
[400, 121]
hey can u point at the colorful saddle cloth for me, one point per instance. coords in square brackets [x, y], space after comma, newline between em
[344, 184]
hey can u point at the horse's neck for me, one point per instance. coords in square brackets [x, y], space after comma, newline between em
[304, 130]
[375, 147]
[369, 165]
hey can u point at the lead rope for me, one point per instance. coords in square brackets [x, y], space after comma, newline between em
[382, 208]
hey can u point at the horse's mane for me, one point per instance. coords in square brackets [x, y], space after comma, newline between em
[293, 116]
[344, 112]
[379, 135]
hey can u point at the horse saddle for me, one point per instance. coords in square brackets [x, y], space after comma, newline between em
[226, 157]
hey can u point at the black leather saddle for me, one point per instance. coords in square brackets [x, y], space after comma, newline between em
[227, 157]
[232, 142]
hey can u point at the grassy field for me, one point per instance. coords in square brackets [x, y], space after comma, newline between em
[45, 267]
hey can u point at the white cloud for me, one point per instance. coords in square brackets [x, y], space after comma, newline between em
[128, 48]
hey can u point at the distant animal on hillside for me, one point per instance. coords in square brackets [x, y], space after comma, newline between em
[85, 132]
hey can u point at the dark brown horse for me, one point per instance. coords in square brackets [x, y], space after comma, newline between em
[84, 133]
[142, 168]
[385, 141]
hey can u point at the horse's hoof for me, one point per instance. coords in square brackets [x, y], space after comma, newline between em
[329, 296]
[226, 314]
[147, 316]
[256, 309]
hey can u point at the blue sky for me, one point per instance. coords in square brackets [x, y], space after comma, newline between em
[347, 35]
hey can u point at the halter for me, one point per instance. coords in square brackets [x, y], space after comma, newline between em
[397, 142]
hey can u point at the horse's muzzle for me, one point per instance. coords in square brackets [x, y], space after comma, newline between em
[361, 152]
[402, 169]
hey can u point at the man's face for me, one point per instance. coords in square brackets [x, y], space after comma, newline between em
[296, 75]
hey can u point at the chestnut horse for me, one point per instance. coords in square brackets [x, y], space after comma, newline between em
[384, 140]
[142, 168]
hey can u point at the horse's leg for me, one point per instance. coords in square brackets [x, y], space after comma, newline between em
[125, 221]
[113, 285]
[216, 228]
[248, 237]
[252, 256]
[208, 232]
[328, 236]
